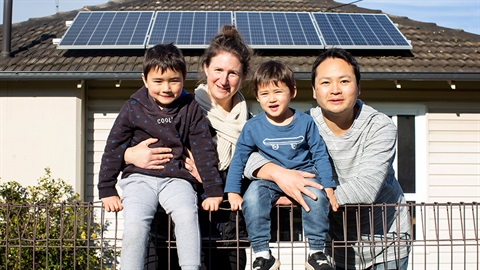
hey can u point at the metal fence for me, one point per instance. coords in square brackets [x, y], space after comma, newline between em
[84, 236]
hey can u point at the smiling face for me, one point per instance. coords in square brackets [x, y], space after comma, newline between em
[224, 76]
[336, 89]
[164, 87]
[275, 101]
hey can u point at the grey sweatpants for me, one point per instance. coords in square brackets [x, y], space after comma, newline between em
[141, 195]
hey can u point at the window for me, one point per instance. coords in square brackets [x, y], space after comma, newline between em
[406, 152]
[410, 162]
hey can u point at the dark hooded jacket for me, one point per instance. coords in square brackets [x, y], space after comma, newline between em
[180, 124]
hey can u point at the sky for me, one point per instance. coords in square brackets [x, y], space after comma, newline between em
[456, 14]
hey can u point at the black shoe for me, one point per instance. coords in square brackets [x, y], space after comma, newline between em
[318, 261]
[261, 263]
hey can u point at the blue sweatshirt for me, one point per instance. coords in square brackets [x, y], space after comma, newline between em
[297, 145]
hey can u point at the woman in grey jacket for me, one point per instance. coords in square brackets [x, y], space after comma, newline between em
[361, 143]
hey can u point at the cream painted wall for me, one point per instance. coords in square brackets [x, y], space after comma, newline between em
[41, 127]
[104, 104]
[454, 154]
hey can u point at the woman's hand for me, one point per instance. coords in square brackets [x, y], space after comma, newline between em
[145, 157]
[235, 201]
[212, 203]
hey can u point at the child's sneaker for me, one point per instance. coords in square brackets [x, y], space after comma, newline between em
[261, 263]
[318, 261]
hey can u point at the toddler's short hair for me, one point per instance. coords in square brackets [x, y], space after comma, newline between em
[273, 72]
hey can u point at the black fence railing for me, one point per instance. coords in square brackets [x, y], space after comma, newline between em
[84, 236]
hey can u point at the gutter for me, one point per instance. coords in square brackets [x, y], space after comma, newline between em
[404, 76]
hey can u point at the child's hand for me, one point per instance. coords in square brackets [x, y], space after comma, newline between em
[331, 197]
[235, 201]
[211, 203]
[112, 204]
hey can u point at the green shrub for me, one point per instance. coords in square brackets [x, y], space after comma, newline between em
[48, 227]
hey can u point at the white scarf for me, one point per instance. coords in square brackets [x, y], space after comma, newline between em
[228, 127]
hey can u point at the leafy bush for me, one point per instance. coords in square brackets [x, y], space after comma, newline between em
[48, 227]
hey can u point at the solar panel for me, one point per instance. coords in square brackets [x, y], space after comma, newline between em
[360, 31]
[292, 30]
[187, 29]
[108, 30]
[261, 30]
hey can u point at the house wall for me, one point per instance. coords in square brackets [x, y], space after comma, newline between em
[37, 131]
[454, 152]
[41, 125]
[440, 121]
[63, 127]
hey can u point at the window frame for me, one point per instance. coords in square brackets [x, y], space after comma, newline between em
[417, 110]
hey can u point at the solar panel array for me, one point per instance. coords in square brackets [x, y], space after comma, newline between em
[107, 30]
[187, 29]
[278, 29]
[261, 30]
[360, 31]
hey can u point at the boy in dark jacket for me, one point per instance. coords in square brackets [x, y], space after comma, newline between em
[161, 109]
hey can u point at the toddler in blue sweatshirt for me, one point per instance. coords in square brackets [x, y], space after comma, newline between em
[290, 139]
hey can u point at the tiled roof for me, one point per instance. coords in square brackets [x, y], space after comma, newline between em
[436, 50]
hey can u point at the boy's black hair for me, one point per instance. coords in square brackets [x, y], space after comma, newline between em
[273, 72]
[340, 54]
[163, 57]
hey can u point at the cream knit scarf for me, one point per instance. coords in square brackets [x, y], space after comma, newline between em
[228, 127]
